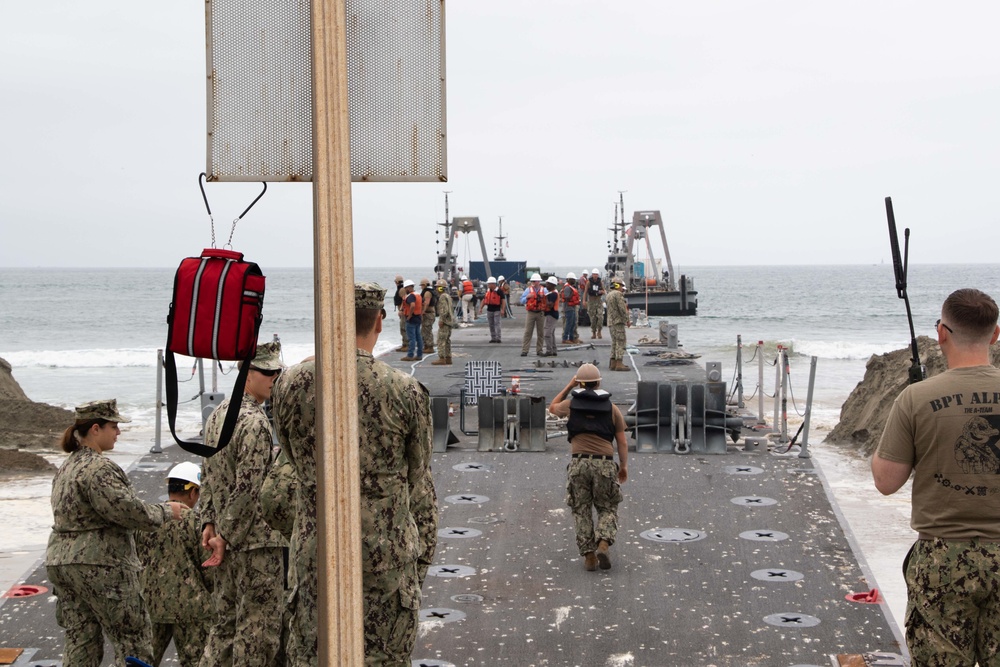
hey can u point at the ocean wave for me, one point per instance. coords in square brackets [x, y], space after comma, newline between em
[90, 358]
[842, 349]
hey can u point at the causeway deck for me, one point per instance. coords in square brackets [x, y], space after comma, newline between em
[726, 560]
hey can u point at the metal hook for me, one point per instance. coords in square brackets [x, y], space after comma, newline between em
[264, 183]
[208, 208]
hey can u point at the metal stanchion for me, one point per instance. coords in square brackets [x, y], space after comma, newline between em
[804, 452]
[159, 402]
[760, 382]
[777, 390]
[739, 371]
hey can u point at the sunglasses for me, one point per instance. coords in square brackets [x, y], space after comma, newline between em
[939, 323]
[269, 373]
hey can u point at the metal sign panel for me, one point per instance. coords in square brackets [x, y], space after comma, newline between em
[260, 90]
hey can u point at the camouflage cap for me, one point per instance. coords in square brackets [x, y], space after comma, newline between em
[368, 295]
[107, 410]
[268, 357]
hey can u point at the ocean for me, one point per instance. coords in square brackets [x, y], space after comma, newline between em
[75, 335]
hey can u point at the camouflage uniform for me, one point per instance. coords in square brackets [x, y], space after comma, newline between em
[446, 322]
[91, 559]
[398, 506]
[427, 321]
[293, 400]
[397, 300]
[277, 496]
[249, 586]
[595, 309]
[176, 588]
[617, 319]
[592, 484]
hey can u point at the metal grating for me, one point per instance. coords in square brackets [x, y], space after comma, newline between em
[260, 90]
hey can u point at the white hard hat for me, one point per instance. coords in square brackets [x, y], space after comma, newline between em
[501, 278]
[491, 281]
[570, 275]
[585, 272]
[464, 277]
[407, 283]
[534, 277]
[553, 280]
[596, 272]
[187, 471]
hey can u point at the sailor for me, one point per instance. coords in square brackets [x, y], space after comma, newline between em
[468, 291]
[493, 303]
[595, 309]
[91, 559]
[944, 432]
[533, 299]
[397, 301]
[570, 298]
[595, 429]
[551, 306]
[427, 316]
[177, 589]
[617, 321]
[446, 322]
[249, 581]
[504, 288]
[413, 308]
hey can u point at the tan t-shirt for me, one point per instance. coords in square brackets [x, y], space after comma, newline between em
[589, 443]
[948, 428]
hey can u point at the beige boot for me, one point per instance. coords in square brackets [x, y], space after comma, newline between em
[589, 561]
[603, 557]
[441, 361]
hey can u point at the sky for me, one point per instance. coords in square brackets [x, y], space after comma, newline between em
[764, 132]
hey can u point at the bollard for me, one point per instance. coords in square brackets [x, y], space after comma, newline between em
[156, 449]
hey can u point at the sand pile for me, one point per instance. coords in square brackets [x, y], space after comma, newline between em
[862, 418]
[25, 424]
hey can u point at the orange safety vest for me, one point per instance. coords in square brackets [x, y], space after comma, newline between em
[467, 287]
[414, 309]
[574, 298]
[491, 298]
[536, 299]
[550, 306]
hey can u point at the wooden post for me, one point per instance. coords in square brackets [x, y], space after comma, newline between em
[341, 636]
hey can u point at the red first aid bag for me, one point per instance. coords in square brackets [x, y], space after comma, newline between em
[215, 314]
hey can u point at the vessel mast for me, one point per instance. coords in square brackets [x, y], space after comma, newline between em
[499, 254]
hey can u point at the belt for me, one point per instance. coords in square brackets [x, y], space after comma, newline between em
[926, 536]
[597, 457]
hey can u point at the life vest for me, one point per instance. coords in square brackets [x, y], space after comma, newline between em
[430, 299]
[574, 297]
[536, 299]
[590, 411]
[550, 305]
[467, 287]
[413, 308]
[492, 297]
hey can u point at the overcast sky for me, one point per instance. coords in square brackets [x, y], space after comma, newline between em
[765, 133]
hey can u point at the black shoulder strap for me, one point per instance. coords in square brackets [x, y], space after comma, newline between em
[232, 414]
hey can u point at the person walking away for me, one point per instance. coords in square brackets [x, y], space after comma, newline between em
[570, 298]
[427, 316]
[249, 581]
[595, 430]
[177, 589]
[945, 431]
[467, 292]
[397, 301]
[617, 321]
[551, 305]
[446, 322]
[413, 305]
[493, 303]
[595, 308]
[533, 300]
[90, 559]
[504, 288]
